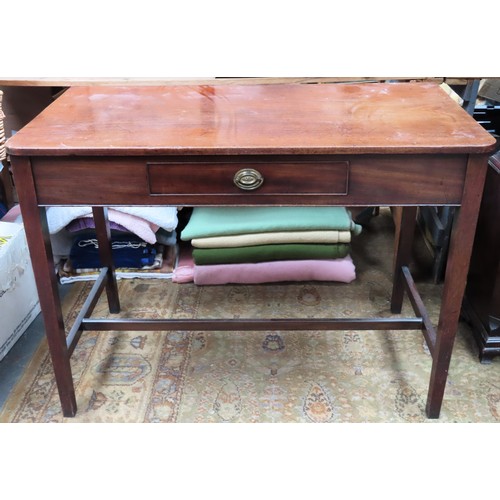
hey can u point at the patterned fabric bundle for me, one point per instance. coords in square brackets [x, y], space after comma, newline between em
[143, 240]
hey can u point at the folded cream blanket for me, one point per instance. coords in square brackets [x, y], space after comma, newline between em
[272, 238]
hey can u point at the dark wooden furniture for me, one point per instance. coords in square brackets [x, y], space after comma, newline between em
[351, 145]
[482, 296]
[5, 186]
[436, 222]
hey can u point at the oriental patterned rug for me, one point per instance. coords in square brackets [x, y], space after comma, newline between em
[279, 376]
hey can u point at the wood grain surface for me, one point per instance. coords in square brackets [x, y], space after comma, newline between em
[253, 119]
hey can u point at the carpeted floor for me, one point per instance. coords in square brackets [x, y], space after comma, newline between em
[306, 376]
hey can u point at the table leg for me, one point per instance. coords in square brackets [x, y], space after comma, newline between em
[37, 235]
[460, 249]
[405, 220]
[104, 240]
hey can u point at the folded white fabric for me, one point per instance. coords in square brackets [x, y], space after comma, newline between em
[60, 217]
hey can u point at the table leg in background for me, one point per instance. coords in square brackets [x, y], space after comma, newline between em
[405, 219]
[104, 241]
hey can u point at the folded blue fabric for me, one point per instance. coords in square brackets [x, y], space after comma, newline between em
[128, 251]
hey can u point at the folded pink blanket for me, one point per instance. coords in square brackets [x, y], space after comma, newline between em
[342, 270]
[184, 269]
[13, 215]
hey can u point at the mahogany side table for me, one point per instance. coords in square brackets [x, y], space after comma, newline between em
[399, 144]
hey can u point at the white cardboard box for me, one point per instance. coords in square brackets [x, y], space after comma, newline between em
[490, 89]
[19, 303]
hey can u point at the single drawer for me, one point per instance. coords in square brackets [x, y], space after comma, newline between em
[257, 178]
[358, 180]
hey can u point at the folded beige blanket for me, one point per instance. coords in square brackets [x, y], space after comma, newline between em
[245, 240]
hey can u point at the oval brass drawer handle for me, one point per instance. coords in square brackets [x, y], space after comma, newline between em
[248, 179]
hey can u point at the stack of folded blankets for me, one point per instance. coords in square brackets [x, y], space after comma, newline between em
[142, 238]
[269, 244]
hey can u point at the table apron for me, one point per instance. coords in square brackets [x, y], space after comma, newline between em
[309, 180]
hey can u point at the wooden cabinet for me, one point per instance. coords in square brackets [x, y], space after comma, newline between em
[482, 301]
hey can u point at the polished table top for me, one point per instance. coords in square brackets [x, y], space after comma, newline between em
[394, 118]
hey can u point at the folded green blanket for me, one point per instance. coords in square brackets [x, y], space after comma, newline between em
[220, 221]
[263, 253]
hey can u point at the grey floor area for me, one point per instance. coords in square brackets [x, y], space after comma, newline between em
[13, 364]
